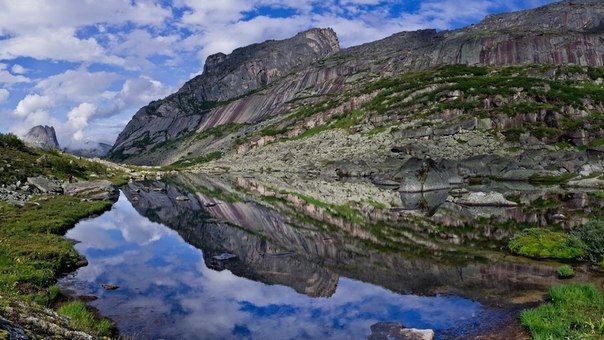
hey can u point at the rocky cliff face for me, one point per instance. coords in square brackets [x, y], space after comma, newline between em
[224, 78]
[42, 137]
[274, 84]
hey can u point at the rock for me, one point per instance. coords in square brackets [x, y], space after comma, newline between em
[42, 137]
[107, 286]
[224, 257]
[181, 198]
[588, 183]
[94, 191]
[483, 199]
[418, 175]
[396, 331]
[45, 184]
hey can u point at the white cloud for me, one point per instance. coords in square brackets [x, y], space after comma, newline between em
[18, 69]
[77, 118]
[32, 104]
[4, 94]
[77, 85]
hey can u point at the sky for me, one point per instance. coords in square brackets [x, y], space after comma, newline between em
[86, 66]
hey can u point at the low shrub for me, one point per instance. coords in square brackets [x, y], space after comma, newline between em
[592, 235]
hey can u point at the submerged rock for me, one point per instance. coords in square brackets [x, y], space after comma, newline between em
[396, 331]
[483, 199]
[420, 175]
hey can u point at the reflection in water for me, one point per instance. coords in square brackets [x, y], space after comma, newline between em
[167, 290]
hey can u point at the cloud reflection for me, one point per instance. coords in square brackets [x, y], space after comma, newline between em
[166, 291]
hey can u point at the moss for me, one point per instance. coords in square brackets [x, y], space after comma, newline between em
[542, 243]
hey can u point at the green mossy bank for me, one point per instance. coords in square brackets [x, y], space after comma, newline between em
[33, 251]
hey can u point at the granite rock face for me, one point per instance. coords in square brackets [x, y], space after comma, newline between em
[42, 136]
[225, 77]
[260, 82]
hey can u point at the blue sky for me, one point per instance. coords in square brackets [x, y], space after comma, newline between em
[85, 67]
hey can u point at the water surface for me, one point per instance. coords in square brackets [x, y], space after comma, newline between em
[168, 291]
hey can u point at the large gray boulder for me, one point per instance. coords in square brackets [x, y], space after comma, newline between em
[93, 191]
[45, 184]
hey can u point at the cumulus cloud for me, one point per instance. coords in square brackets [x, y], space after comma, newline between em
[4, 94]
[33, 103]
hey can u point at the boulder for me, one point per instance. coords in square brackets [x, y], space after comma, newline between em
[420, 175]
[94, 191]
[483, 199]
[396, 331]
[45, 184]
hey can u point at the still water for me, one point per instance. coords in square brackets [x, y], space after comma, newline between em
[168, 290]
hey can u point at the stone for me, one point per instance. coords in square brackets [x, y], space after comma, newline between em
[45, 184]
[396, 331]
[95, 191]
[491, 198]
[420, 175]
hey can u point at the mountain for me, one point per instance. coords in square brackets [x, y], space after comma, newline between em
[90, 149]
[42, 136]
[528, 77]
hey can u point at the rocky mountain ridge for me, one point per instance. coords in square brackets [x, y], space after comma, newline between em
[203, 119]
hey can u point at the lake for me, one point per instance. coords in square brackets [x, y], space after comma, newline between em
[192, 265]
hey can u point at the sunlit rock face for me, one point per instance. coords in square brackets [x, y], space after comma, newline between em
[270, 79]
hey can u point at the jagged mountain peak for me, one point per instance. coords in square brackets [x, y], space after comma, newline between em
[42, 136]
[247, 68]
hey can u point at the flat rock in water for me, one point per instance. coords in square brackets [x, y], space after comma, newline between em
[483, 199]
[224, 256]
[396, 331]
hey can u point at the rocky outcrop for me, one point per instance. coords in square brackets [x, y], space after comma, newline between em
[396, 331]
[42, 137]
[225, 77]
[308, 68]
[92, 191]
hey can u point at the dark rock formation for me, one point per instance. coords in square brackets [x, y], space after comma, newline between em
[42, 137]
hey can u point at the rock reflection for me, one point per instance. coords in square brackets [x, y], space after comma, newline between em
[310, 259]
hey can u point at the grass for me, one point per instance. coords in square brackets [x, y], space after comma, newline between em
[32, 250]
[83, 319]
[565, 272]
[542, 243]
[575, 311]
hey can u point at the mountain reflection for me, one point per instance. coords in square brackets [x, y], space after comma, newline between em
[291, 276]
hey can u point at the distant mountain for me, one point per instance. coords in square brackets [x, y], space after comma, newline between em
[42, 136]
[279, 89]
[90, 149]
